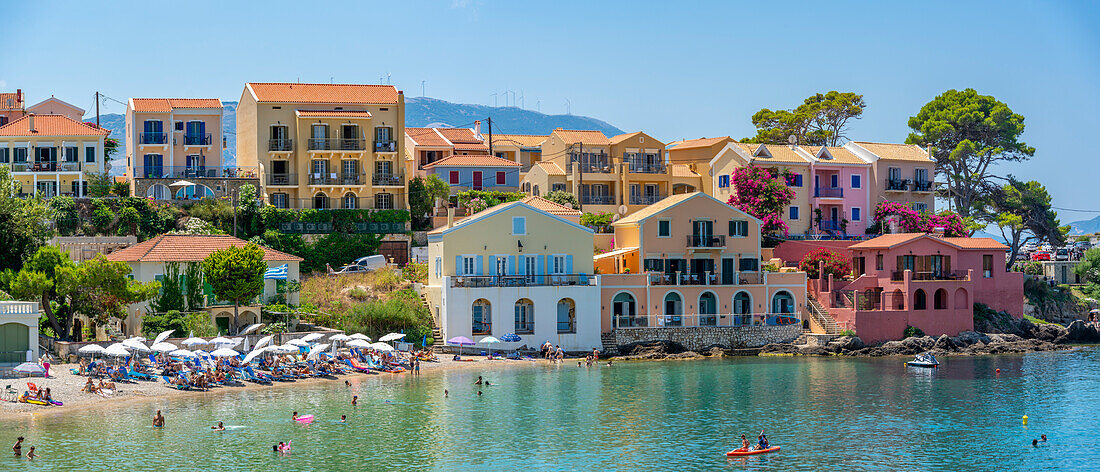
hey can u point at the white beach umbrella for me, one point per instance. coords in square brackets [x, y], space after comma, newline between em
[182, 183]
[381, 347]
[340, 337]
[182, 353]
[391, 337]
[91, 350]
[359, 343]
[163, 347]
[252, 355]
[284, 349]
[191, 342]
[225, 352]
[262, 342]
[163, 335]
[250, 329]
[316, 351]
[297, 342]
[116, 350]
[312, 337]
[360, 336]
[218, 341]
[135, 345]
[490, 341]
[137, 338]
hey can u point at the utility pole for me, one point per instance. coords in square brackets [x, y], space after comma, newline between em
[580, 177]
[97, 109]
[490, 120]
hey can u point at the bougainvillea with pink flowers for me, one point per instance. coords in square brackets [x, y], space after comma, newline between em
[832, 262]
[911, 221]
[760, 193]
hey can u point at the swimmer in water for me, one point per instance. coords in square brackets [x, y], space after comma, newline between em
[30, 454]
[354, 400]
[347, 383]
[343, 418]
[219, 427]
[294, 416]
[446, 393]
[479, 393]
[1034, 443]
[479, 381]
[158, 420]
[1044, 438]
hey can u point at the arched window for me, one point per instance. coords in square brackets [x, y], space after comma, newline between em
[567, 316]
[535, 190]
[623, 311]
[158, 192]
[350, 202]
[897, 302]
[525, 316]
[939, 299]
[194, 192]
[783, 302]
[708, 309]
[920, 300]
[960, 299]
[674, 307]
[482, 317]
[320, 201]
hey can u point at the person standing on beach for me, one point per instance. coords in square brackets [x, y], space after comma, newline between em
[18, 447]
[158, 420]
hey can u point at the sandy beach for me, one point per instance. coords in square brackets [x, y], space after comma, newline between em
[66, 387]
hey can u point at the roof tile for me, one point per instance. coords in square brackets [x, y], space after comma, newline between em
[333, 113]
[550, 207]
[165, 105]
[900, 152]
[472, 160]
[188, 248]
[324, 93]
[586, 137]
[51, 125]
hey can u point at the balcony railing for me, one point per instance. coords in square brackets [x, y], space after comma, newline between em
[478, 281]
[597, 200]
[922, 186]
[337, 144]
[386, 180]
[828, 192]
[706, 240]
[351, 178]
[197, 139]
[385, 146]
[153, 138]
[707, 319]
[335, 203]
[317, 178]
[899, 185]
[46, 166]
[640, 165]
[899, 275]
[705, 278]
[645, 199]
[194, 172]
[828, 225]
[598, 163]
[282, 179]
[280, 145]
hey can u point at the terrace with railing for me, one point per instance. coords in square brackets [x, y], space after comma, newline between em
[195, 172]
[337, 144]
[707, 320]
[897, 185]
[482, 281]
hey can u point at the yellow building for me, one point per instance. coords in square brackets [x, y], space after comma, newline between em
[697, 154]
[50, 154]
[325, 145]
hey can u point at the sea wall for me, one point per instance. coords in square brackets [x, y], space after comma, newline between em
[699, 338]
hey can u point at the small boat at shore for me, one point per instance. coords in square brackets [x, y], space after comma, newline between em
[924, 360]
[750, 452]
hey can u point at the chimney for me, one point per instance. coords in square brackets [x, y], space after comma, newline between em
[477, 129]
[30, 117]
[450, 216]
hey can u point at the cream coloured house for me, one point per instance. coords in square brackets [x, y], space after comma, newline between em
[49, 155]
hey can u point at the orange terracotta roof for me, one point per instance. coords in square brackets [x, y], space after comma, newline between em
[51, 125]
[324, 93]
[839, 155]
[698, 143]
[780, 154]
[587, 137]
[476, 147]
[521, 140]
[165, 105]
[11, 101]
[332, 113]
[900, 152]
[187, 248]
[426, 137]
[551, 168]
[976, 243]
[472, 160]
[459, 135]
[682, 170]
[550, 207]
[887, 241]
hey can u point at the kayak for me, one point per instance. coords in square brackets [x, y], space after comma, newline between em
[921, 364]
[304, 419]
[743, 452]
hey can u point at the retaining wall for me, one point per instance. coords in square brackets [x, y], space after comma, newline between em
[698, 338]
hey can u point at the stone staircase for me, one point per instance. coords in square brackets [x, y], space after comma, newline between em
[821, 316]
[437, 332]
[608, 341]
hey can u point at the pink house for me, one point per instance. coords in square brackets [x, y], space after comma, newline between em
[841, 191]
[923, 280]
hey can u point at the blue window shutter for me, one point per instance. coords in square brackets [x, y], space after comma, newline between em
[511, 265]
[569, 264]
[479, 269]
[541, 267]
[458, 266]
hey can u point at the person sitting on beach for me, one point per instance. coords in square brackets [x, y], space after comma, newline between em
[158, 420]
[89, 386]
[47, 396]
[109, 385]
[219, 427]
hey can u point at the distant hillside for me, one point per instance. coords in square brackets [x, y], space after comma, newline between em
[419, 112]
[1078, 228]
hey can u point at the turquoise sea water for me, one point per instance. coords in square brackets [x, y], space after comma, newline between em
[827, 414]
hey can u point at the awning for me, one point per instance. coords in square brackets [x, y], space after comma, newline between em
[617, 252]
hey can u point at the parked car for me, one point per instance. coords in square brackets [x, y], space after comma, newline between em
[1082, 245]
[1061, 254]
[1028, 248]
[1040, 256]
[364, 264]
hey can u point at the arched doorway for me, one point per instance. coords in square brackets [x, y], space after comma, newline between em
[320, 201]
[939, 299]
[708, 309]
[525, 316]
[623, 312]
[674, 309]
[158, 192]
[567, 316]
[194, 192]
[350, 201]
[481, 317]
[920, 300]
[897, 300]
[783, 302]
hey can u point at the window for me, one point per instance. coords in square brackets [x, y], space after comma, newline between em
[5, 155]
[783, 302]
[920, 207]
[920, 300]
[894, 173]
[320, 201]
[278, 200]
[525, 316]
[939, 300]
[657, 265]
[70, 153]
[920, 175]
[987, 265]
[748, 264]
[855, 214]
[797, 178]
[557, 188]
[794, 213]
[559, 266]
[350, 202]
[454, 177]
[878, 262]
[529, 265]
[501, 265]
[20, 154]
[567, 316]
[469, 266]
[674, 307]
[855, 181]
[519, 225]
[742, 303]
[439, 267]
[501, 179]
[708, 309]
[834, 181]
[89, 154]
[739, 228]
[383, 201]
[664, 229]
[481, 317]
[723, 181]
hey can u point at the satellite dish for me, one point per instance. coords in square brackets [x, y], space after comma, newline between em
[792, 139]
[622, 209]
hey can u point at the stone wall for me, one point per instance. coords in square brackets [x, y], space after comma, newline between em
[698, 338]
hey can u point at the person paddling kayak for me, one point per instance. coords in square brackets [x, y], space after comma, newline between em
[763, 442]
[744, 442]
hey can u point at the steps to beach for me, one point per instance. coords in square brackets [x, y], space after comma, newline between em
[608, 341]
[820, 316]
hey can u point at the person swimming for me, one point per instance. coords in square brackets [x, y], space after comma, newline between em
[446, 393]
[354, 400]
[1043, 438]
[158, 420]
[18, 447]
[479, 393]
[343, 418]
[30, 454]
[219, 427]
[294, 416]
[479, 381]
[1034, 443]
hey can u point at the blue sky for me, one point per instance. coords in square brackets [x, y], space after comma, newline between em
[673, 69]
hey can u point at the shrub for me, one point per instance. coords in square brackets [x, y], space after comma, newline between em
[153, 324]
[599, 222]
[848, 332]
[833, 262]
[200, 324]
[561, 197]
[415, 272]
[359, 294]
[763, 194]
[913, 332]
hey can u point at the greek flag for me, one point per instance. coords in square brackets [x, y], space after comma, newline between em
[276, 272]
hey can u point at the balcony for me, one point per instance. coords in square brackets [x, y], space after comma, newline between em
[640, 164]
[387, 180]
[828, 225]
[922, 186]
[351, 178]
[333, 203]
[46, 166]
[899, 275]
[280, 145]
[153, 138]
[282, 179]
[194, 172]
[828, 192]
[645, 199]
[385, 146]
[337, 144]
[319, 178]
[481, 281]
[693, 320]
[597, 200]
[704, 278]
[897, 185]
[197, 139]
[597, 163]
[696, 241]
